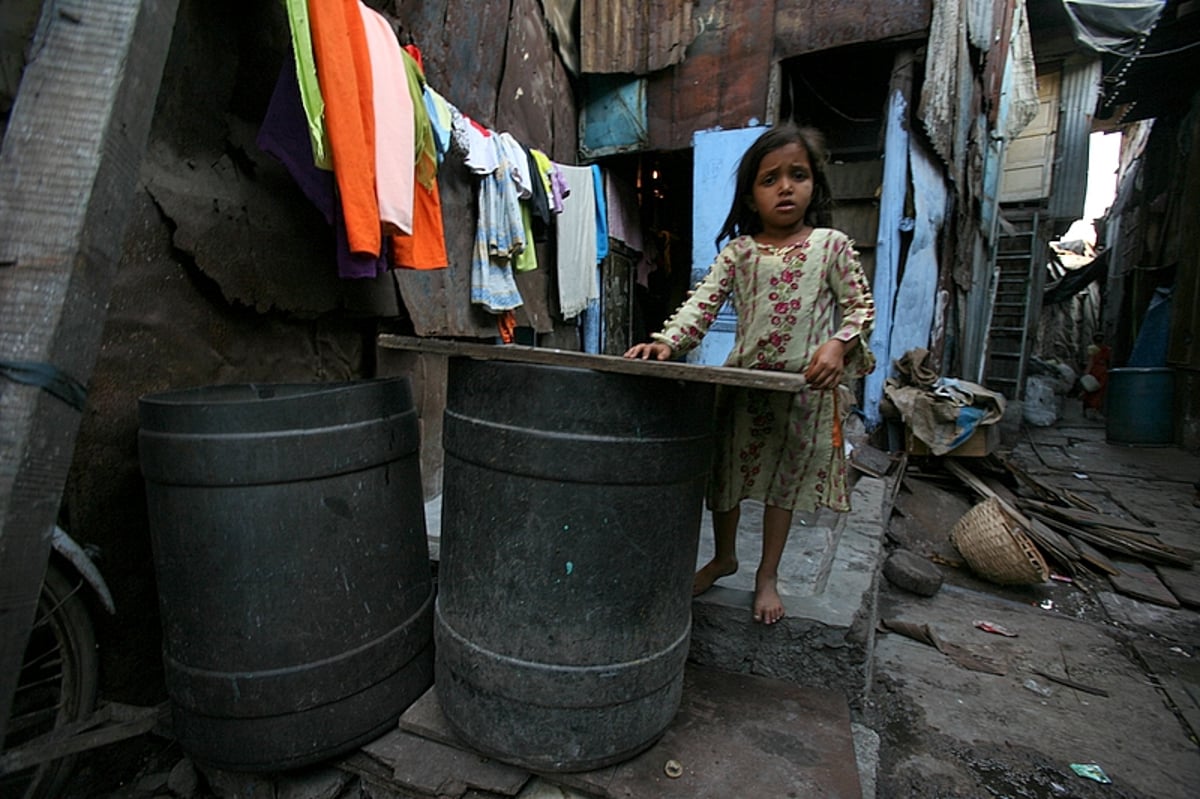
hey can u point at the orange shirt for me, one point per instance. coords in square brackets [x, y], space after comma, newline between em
[344, 71]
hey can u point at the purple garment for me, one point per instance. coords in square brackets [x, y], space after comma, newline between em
[284, 134]
[559, 189]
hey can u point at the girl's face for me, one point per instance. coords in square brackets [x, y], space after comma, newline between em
[783, 188]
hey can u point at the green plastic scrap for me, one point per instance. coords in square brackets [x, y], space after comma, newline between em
[1091, 771]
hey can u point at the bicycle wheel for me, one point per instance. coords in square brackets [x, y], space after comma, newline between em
[57, 685]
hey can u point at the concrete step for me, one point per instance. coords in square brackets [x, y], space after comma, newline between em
[829, 582]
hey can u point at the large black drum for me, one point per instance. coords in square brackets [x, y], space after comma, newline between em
[570, 522]
[293, 571]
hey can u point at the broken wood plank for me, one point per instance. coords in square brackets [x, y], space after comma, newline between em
[1063, 550]
[982, 488]
[109, 724]
[1140, 582]
[871, 460]
[1078, 516]
[1183, 583]
[431, 767]
[1093, 557]
[1123, 543]
[671, 370]
[1037, 487]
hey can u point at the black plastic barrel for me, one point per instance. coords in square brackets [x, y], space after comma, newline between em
[571, 513]
[1138, 406]
[294, 582]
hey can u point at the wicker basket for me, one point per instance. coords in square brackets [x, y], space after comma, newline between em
[996, 548]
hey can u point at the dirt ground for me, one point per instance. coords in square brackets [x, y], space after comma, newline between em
[948, 730]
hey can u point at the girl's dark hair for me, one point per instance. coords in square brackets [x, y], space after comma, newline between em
[742, 220]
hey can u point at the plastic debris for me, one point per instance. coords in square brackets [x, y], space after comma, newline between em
[1091, 771]
[1046, 604]
[1179, 651]
[1081, 476]
[673, 769]
[996, 629]
[1038, 688]
[1061, 578]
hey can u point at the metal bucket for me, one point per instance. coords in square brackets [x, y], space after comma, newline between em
[293, 570]
[570, 522]
[1139, 404]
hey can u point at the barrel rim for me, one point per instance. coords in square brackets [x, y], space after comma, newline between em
[183, 397]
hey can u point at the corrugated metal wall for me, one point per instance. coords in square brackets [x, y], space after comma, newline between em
[634, 37]
[1079, 93]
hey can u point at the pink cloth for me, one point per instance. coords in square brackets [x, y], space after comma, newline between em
[623, 222]
[395, 139]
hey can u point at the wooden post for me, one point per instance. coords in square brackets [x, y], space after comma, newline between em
[68, 168]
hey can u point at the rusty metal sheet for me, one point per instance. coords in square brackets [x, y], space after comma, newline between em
[634, 37]
[806, 26]
[724, 80]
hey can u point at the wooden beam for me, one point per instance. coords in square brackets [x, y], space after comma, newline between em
[671, 370]
[68, 168]
[108, 725]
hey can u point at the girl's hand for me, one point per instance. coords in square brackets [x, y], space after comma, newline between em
[650, 350]
[828, 362]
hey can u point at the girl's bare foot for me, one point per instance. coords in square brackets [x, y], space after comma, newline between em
[768, 607]
[710, 572]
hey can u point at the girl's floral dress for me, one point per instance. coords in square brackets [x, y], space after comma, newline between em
[780, 448]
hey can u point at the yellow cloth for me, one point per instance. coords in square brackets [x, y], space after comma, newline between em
[426, 149]
[306, 76]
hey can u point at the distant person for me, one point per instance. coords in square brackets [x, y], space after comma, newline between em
[1098, 362]
[788, 276]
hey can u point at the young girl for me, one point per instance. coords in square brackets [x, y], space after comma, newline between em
[790, 277]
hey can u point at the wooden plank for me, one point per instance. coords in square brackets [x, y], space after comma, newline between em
[859, 220]
[1116, 541]
[1094, 557]
[856, 180]
[1140, 582]
[1088, 518]
[871, 460]
[108, 725]
[669, 370]
[68, 168]
[1183, 583]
